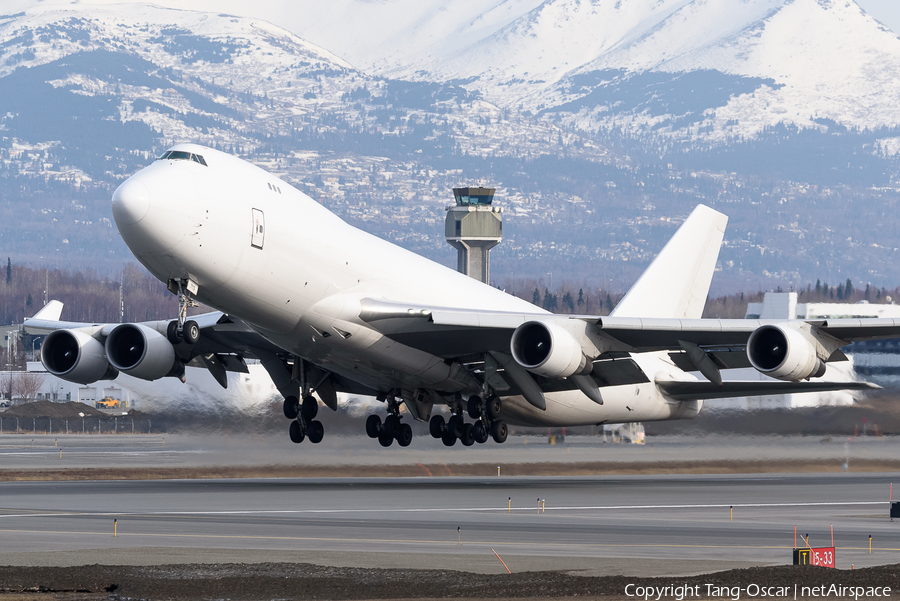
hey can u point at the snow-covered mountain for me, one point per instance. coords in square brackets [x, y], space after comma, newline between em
[713, 69]
[718, 68]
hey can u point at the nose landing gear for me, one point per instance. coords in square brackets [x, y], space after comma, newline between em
[183, 329]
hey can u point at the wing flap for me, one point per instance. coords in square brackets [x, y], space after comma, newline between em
[699, 390]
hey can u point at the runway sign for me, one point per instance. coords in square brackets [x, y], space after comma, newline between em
[817, 556]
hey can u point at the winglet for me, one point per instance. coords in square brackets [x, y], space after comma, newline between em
[52, 311]
[676, 284]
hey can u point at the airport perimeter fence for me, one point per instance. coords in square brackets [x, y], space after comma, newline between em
[77, 425]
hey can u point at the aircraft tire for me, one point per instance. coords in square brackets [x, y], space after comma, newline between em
[191, 332]
[310, 407]
[391, 425]
[474, 407]
[468, 437]
[172, 332]
[291, 407]
[499, 431]
[449, 439]
[296, 433]
[404, 435]
[456, 425]
[437, 426]
[373, 426]
[481, 434]
[315, 431]
[494, 406]
[385, 440]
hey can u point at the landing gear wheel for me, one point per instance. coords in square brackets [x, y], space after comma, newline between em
[315, 431]
[373, 426]
[404, 435]
[481, 434]
[468, 436]
[494, 407]
[455, 425]
[296, 432]
[391, 425]
[437, 426]
[499, 431]
[172, 332]
[310, 407]
[474, 407]
[291, 407]
[449, 439]
[385, 440]
[191, 332]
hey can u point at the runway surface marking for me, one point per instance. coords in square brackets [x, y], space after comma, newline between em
[437, 509]
[432, 542]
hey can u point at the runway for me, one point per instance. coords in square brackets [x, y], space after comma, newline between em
[636, 525]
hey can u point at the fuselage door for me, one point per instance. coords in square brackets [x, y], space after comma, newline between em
[259, 229]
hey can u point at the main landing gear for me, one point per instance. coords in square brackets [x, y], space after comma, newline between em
[303, 412]
[487, 424]
[304, 425]
[391, 429]
[183, 329]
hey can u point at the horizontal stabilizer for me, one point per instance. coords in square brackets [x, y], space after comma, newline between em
[696, 391]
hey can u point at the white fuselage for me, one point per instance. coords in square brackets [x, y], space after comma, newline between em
[265, 252]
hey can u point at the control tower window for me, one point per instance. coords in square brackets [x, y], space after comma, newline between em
[473, 196]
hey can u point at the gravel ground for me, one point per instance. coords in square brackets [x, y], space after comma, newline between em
[305, 581]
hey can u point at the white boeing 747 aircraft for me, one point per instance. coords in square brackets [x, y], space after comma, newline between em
[326, 308]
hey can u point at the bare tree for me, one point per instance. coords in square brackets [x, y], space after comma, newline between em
[6, 384]
[27, 385]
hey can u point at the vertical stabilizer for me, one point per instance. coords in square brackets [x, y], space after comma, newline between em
[677, 282]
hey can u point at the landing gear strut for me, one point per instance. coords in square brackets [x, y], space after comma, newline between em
[303, 412]
[183, 329]
[392, 428]
[487, 424]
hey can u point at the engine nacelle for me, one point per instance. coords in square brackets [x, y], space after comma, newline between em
[784, 353]
[545, 348]
[140, 351]
[76, 357]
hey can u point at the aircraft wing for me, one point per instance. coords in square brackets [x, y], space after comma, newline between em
[468, 334]
[451, 332]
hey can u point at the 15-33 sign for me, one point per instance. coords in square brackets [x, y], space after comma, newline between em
[817, 556]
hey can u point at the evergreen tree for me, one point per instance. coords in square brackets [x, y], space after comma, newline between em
[840, 292]
[568, 302]
[818, 288]
[580, 297]
[848, 290]
[536, 297]
[609, 302]
[866, 293]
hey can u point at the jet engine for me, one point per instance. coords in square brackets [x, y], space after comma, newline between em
[141, 352]
[76, 357]
[545, 348]
[782, 352]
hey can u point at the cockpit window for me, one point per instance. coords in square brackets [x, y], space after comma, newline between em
[180, 155]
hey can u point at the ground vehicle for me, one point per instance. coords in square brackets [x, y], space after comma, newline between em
[107, 403]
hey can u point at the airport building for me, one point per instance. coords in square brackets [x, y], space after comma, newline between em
[874, 361]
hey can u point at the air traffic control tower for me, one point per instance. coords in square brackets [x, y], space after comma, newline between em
[473, 228]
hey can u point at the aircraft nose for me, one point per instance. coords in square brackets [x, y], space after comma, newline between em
[130, 202]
